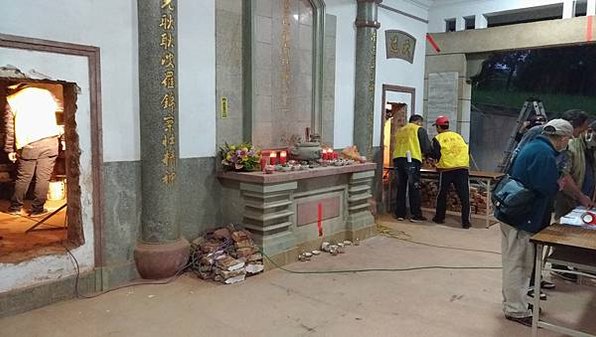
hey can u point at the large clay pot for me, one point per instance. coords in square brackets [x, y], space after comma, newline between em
[306, 151]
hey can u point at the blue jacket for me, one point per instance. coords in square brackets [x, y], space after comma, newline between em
[536, 168]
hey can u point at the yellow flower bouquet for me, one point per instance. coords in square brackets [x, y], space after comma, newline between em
[241, 157]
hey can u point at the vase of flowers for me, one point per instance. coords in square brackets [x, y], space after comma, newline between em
[240, 157]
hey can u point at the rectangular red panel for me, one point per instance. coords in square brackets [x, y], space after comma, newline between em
[306, 212]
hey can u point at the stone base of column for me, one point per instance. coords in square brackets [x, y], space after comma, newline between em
[157, 261]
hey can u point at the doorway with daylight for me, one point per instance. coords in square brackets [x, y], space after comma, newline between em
[398, 103]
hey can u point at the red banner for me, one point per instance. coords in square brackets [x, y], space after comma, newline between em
[432, 42]
[320, 218]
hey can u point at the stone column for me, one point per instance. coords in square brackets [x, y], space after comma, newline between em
[366, 54]
[161, 251]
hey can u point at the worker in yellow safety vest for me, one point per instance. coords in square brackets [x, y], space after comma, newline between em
[452, 153]
[411, 143]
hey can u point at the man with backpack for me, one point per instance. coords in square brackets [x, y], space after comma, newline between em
[535, 168]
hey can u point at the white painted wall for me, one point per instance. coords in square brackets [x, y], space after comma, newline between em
[399, 97]
[53, 267]
[110, 25]
[84, 22]
[448, 9]
[397, 71]
[196, 78]
[345, 70]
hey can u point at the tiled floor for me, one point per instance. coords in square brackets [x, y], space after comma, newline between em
[445, 303]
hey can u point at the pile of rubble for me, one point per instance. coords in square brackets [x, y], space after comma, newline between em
[226, 255]
[328, 247]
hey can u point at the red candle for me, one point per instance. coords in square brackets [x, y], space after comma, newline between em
[335, 155]
[328, 154]
[273, 158]
[282, 157]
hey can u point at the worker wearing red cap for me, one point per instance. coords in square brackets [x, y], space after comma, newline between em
[452, 154]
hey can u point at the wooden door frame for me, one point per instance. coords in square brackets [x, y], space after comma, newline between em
[395, 88]
[412, 107]
[94, 73]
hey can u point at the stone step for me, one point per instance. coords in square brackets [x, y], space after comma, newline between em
[259, 229]
[268, 205]
[267, 216]
[356, 189]
[359, 197]
[358, 207]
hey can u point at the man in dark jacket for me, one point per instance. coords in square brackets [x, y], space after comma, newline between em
[31, 140]
[579, 120]
[536, 168]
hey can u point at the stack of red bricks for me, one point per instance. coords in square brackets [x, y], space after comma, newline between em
[226, 255]
[430, 190]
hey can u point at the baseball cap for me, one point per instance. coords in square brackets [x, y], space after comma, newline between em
[558, 127]
[441, 121]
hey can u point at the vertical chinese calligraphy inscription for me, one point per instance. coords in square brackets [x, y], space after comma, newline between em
[161, 251]
[366, 51]
[168, 83]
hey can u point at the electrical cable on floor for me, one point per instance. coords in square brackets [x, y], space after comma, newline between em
[387, 231]
[367, 270]
[384, 230]
[75, 263]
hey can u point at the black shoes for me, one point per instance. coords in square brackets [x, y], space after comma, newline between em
[543, 285]
[465, 225]
[547, 285]
[32, 213]
[417, 218]
[531, 308]
[413, 218]
[397, 217]
[38, 213]
[14, 211]
[542, 295]
[527, 321]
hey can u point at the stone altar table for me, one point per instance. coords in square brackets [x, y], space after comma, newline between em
[281, 209]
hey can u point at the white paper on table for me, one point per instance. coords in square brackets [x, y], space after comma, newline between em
[574, 218]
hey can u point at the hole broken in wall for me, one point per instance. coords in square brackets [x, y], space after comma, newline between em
[23, 235]
[396, 116]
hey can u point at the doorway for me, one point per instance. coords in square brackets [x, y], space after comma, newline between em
[399, 103]
[39, 128]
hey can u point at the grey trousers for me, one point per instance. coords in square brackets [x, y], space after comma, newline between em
[35, 160]
[517, 254]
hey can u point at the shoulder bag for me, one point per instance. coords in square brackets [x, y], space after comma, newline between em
[511, 198]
